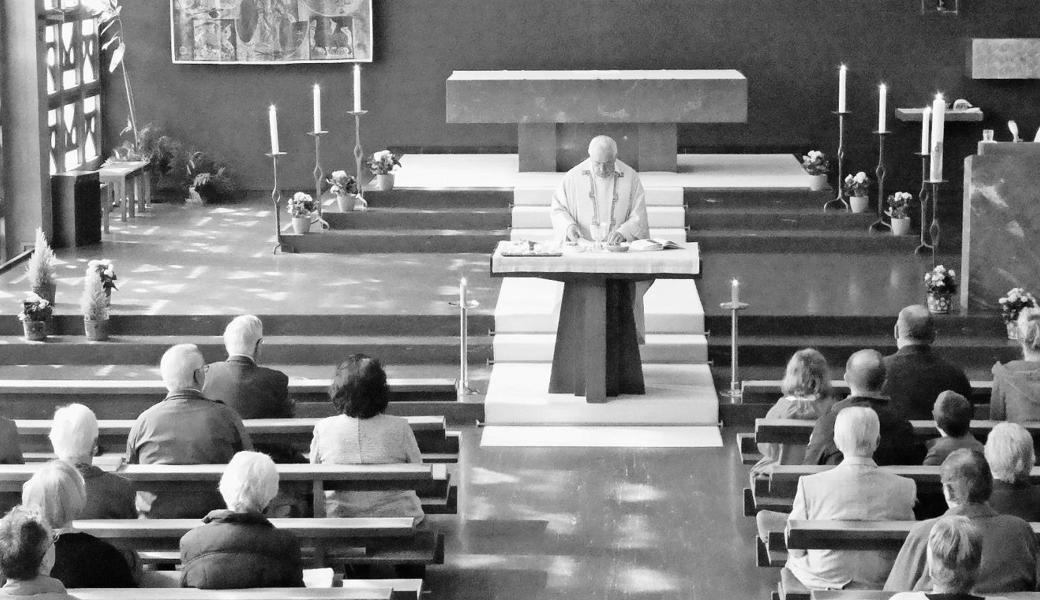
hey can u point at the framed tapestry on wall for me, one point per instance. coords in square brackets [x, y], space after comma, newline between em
[270, 31]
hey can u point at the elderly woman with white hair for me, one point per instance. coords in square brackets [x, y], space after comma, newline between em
[80, 559]
[1016, 384]
[239, 547]
[74, 437]
[1009, 452]
[26, 556]
[953, 559]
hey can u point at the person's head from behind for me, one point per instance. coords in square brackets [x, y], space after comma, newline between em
[603, 152]
[807, 375]
[181, 368]
[1009, 452]
[966, 478]
[57, 491]
[952, 413]
[359, 387]
[25, 544]
[857, 431]
[249, 482]
[915, 326]
[865, 372]
[954, 554]
[74, 434]
[1029, 332]
[243, 336]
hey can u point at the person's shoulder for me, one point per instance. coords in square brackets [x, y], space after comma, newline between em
[273, 374]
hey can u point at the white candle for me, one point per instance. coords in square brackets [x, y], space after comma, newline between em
[882, 107]
[357, 87]
[462, 292]
[938, 125]
[842, 75]
[926, 121]
[734, 295]
[317, 108]
[272, 118]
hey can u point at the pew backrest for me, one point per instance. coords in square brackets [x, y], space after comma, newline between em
[794, 431]
[853, 535]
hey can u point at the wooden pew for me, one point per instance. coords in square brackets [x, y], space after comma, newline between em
[784, 480]
[345, 593]
[768, 390]
[853, 535]
[882, 595]
[793, 431]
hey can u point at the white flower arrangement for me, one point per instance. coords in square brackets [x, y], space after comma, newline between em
[1013, 302]
[384, 162]
[301, 205]
[858, 185]
[899, 205]
[815, 163]
[941, 280]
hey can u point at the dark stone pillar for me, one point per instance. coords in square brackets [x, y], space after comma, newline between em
[537, 146]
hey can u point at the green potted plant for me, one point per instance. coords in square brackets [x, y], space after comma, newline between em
[94, 306]
[1011, 305]
[209, 181]
[899, 212]
[41, 269]
[345, 187]
[856, 188]
[382, 165]
[301, 206]
[106, 273]
[816, 165]
[35, 313]
[941, 284]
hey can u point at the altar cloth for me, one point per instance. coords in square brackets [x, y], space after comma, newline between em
[683, 262]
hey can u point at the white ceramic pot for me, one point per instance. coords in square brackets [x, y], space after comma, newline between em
[817, 183]
[346, 202]
[301, 225]
[859, 203]
[96, 331]
[900, 226]
[385, 182]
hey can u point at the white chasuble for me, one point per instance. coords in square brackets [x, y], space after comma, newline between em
[618, 201]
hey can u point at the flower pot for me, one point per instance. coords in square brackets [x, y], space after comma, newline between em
[859, 204]
[346, 202]
[900, 226]
[35, 331]
[47, 292]
[96, 331]
[301, 225]
[385, 182]
[1012, 330]
[817, 183]
[939, 304]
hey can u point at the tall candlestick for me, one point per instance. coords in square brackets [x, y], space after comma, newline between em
[926, 121]
[357, 87]
[272, 119]
[882, 107]
[317, 107]
[842, 76]
[734, 295]
[938, 126]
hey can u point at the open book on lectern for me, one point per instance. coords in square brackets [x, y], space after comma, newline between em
[651, 245]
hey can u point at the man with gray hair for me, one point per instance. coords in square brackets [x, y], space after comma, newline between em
[186, 428]
[74, 437]
[254, 392]
[1010, 455]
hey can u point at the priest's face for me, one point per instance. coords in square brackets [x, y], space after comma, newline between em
[602, 160]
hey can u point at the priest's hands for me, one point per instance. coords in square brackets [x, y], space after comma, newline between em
[615, 238]
[573, 233]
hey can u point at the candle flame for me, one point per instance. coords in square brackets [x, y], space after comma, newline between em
[735, 282]
[938, 96]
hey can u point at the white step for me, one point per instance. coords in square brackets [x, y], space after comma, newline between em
[665, 348]
[534, 217]
[536, 189]
[546, 234]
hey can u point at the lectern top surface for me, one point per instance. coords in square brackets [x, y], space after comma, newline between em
[582, 75]
[683, 262]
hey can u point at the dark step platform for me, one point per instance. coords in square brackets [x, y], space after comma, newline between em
[776, 218]
[368, 241]
[700, 199]
[440, 198]
[487, 219]
[804, 241]
[947, 326]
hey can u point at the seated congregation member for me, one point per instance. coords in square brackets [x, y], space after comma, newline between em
[865, 374]
[1009, 452]
[185, 428]
[364, 434]
[954, 554]
[10, 449]
[26, 556]
[1016, 384]
[916, 375]
[1009, 547]
[952, 413]
[239, 547]
[74, 436]
[855, 490]
[80, 559]
[807, 395]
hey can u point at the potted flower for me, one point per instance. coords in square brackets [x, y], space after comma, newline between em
[346, 189]
[1011, 305]
[899, 212]
[856, 188]
[382, 166]
[35, 313]
[815, 164]
[301, 206]
[106, 273]
[41, 269]
[941, 284]
[94, 306]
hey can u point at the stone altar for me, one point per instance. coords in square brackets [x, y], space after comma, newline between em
[557, 112]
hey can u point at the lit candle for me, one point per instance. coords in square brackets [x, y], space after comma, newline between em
[317, 108]
[882, 107]
[357, 87]
[938, 125]
[842, 75]
[926, 120]
[272, 118]
[462, 292]
[734, 295]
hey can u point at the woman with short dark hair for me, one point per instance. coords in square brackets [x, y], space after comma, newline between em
[26, 553]
[364, 435]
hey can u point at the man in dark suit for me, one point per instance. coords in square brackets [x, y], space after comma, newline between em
[865, 374]
[916, 375]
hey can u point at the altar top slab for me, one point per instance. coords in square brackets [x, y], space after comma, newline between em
[558, 75]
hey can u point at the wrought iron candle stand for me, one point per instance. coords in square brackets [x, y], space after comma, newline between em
[922, 198]
[276, 199]
[880, 225]
[735, 393]
[839, 202]
[359, 154]
[934, 229]
[319, 175]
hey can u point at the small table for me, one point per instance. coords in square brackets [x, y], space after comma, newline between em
[597, 351]
[116, 175]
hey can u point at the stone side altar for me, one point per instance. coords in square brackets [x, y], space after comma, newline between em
[1001, 215]
[557, 112]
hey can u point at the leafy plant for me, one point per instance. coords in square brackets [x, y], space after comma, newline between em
[342, 183]
[35, 308]
[41, 269]
[815, 163]
[105, 272]
[941, 280]
[899, 205]
[383, 162]
[1013, 302]
[301, 205]
[209, 178]
[94, 301]
[858, 185]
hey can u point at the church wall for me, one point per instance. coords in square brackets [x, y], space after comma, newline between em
[788, 49]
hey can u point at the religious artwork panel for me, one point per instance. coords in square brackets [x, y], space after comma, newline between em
[270, 31]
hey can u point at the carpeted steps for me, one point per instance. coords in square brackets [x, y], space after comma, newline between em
[367, 241]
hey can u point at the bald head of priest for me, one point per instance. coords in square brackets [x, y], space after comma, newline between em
[600, 195]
